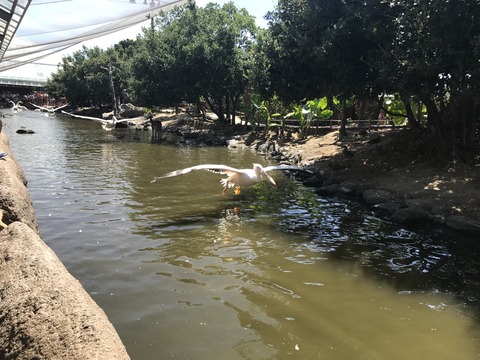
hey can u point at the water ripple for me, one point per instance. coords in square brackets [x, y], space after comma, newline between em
[180, 268]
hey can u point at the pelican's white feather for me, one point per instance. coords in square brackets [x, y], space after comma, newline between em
[49, 109]
[106, 124]
[17, 106]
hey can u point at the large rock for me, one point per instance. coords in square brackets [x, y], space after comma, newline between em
[347, 188]
[44, 312]
[15, 201]
[410, 215]
[387, 207]
[375, 196]
[328, 189]
[129, 111]
[426, 204]
[463, 223]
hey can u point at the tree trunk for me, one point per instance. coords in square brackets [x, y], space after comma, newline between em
[228, 109]
[201, 110]
[412, 121]
[379, 106]
[221, 111]
[217, 110]
[361, 106]
[468, 122]
[112, 89]
[444, 138]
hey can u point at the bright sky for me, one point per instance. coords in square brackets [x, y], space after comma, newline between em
[256, 8]
[56, 20]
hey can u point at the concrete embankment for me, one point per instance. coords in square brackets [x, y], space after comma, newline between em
[45, 313]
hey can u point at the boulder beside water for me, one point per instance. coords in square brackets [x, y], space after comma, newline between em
[44, 311]
[464, 224]
[25, 131]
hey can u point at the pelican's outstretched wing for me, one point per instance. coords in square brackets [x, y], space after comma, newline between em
[95, 118]
[18, 106]
[85, 117]
[58, 108]
[219, 169]
[286, 168]
[39, 107]
[122, 120]
[49, 109]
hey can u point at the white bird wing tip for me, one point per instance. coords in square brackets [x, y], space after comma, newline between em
[288, 167]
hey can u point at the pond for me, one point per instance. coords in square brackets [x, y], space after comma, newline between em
[274, 273]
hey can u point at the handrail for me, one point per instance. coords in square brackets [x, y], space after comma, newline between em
[335, 123]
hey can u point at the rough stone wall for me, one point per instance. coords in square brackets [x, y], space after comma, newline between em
[15, 200]
[44, 312]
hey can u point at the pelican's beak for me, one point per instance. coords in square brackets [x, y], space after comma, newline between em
[269, 178]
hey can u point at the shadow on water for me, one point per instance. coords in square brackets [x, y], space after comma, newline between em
[422, 258]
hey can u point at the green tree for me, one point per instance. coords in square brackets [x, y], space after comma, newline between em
[196, 53]
[327, 48]
[423, 50]
[82, 77]
[435, 63]
[70, 79]
[153, 69]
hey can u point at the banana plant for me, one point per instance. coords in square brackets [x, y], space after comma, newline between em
[319, 109]
[262, 114]
[303, 116]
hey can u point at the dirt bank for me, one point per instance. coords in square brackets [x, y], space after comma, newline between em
[390, 161]
[44, 312]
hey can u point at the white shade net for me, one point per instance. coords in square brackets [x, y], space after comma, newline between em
[51, 26]
[11, 14]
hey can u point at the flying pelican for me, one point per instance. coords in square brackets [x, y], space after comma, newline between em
[17, 106]
[49, 110]
[236, 177]
[107, 125]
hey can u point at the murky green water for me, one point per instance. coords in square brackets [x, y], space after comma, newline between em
[275, 273]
